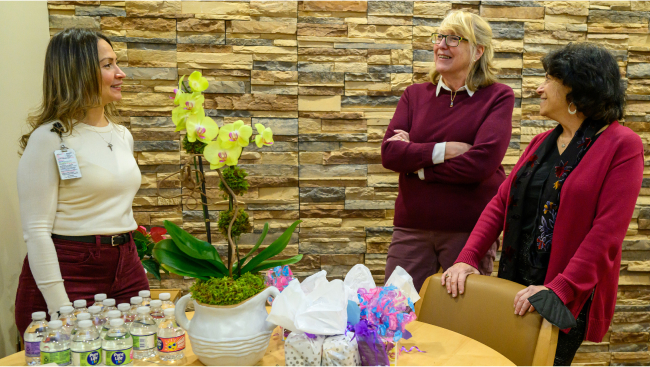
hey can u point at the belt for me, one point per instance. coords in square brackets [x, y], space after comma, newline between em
[114, 240]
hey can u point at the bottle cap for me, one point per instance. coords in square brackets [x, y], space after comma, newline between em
[144, 294]
[143, 309]
[38, 315]
[136, 300]
[169, 311]
[94, 309]
[117, 322]
[164, 296]
[156, 303]
[66, 309]
[54, 324]
[85, 323]
[109, 302]
[100, 297]
[79, 303]
[123, 307]
[83, 316]
[113, 314]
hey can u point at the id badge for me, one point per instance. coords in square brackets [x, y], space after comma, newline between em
[66, 160]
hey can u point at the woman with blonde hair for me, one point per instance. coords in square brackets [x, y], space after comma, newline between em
[447, 140]
[77, 178]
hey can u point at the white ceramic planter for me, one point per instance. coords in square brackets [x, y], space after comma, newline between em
[236, 335]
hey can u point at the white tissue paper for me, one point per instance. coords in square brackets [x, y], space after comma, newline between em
[300, 350]
[341, 350]
[404, 282]
[358, 277]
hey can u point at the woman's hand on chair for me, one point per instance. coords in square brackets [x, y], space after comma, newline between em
[521, 299]
[400, 135]
[454, 278]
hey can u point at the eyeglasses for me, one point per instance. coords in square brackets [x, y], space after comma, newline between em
[450, 39]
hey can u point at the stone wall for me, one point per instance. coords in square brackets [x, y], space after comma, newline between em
[326, 76]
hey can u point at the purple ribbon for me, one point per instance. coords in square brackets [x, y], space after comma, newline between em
[411, 349]
[311, 336]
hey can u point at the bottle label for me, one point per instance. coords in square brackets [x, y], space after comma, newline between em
[90, 358]
[32, 349]
[118, 357]
[60, 357]
[144, 342]
[171, 345]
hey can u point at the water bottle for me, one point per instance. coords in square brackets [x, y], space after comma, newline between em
[86, 346]
[166, 303]
[115, 314]
[82, 316]
[96, 317]
[109, 305]
[157, 311]
[79, 306]
[33, 336]
[55, 346]
[143, 330]
[99, 300]
[146, 298]
[133, 311]
[124, 308]
[67, 318]
[117, 345]
[171, 338]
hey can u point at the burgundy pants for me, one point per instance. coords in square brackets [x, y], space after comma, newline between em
[87, 269]
[421, 253]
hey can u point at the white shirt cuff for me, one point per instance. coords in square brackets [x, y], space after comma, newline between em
[421, 174]
[438, 155]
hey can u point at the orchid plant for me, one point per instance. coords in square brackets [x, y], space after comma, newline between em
[221, 147]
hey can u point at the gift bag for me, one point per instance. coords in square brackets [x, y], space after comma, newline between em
[372, 349]
[341, 350]
[302, 349]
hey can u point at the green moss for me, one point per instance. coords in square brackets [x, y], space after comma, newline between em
[236, 179]
[226, 291]
[196, 147]
[241, 225]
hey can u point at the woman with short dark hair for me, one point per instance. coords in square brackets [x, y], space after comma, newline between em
[566, 206]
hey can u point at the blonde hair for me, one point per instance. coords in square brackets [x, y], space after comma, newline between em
[479, 33]
[72, 81]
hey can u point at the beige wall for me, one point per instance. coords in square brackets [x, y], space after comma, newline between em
[23, 39]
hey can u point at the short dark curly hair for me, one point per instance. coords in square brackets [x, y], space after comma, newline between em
[594, 78]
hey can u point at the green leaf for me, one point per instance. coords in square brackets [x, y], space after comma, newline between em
[152, 267]
[137, 235]
[257, 245]
[268, 264]
[273, 249]
[195, 248]
[168, 254]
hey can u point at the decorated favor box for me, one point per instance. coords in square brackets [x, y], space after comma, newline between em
[301, 349]
[341, 350]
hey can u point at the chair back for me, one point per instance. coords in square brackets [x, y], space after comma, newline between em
[485, 313]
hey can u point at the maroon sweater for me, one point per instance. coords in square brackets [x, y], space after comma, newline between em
[454, 193]
[596, 205]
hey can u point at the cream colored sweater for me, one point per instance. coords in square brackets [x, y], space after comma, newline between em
[97, 203]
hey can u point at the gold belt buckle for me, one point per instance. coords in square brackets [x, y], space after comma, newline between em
[113, 240]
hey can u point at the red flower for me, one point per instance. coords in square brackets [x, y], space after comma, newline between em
[562, 169]
[142, 230]
[532, 160]
[157, 234]
[586, 143]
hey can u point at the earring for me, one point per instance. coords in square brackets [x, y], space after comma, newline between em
[574, 111]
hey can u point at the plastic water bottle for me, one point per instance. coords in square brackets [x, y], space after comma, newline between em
[166, 303]
[33, 336]
[86, 346]
[96, 317]
[109, 305]
[117, 345]
[82, 316]
[124, 308]
[143, 330]
[157, 311]
[55, 346]
[79, 306]
[133, 311]
[171, 338]
[67, 318]
[99, 300]
[115, 314]
[146, 297]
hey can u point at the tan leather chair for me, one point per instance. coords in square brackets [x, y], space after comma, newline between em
[485, 313]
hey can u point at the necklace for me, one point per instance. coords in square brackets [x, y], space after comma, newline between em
[453, 95]
[110, 146]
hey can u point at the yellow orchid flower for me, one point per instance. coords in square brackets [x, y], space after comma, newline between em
[179, 92]
[197, 82]
[202, 128]
[219, 156]
[236, 133]
[190, 105]
[264, 135]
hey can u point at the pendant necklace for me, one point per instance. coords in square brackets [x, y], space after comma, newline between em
[453, 95]
[110, 146]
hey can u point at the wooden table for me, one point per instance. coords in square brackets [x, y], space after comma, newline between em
[443, 348]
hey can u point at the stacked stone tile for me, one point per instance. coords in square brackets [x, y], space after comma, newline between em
[326, 77]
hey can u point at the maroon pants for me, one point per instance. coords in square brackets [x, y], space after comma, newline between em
[87, 269]
[421, 253]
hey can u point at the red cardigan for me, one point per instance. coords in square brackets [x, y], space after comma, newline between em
[596, 205]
